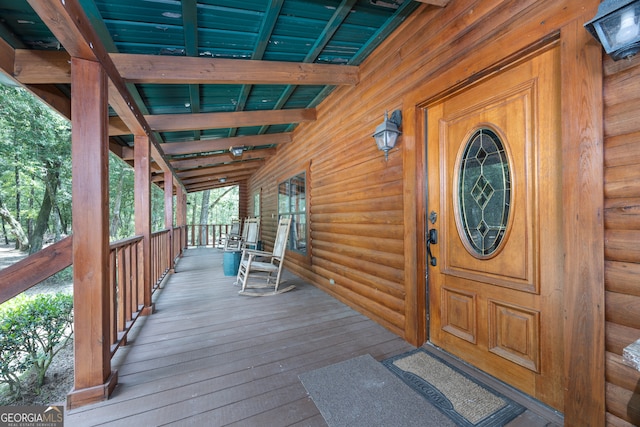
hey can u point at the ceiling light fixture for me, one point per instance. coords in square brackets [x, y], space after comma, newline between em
[236, 151]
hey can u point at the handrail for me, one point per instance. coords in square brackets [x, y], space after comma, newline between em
[161, 261]
[32, 270]
[124, 242]
[126, 287]
[127, 298]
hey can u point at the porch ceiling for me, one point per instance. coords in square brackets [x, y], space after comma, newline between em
[199, 76]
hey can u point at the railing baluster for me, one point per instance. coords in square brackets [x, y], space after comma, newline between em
[126, 287]
[126, 275]
[139, 275]
[129, 286]
[113, 304]
[121, 289]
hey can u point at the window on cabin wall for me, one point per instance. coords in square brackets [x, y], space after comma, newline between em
[256, 204]
[292, 200]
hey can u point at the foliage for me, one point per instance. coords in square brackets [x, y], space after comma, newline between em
[35, 150]
[121, 199]
[223, 205]
[35, 156]
[32, 331]
[35, 178]
[13, 360]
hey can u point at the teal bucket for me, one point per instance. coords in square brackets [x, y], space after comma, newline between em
[231, 262]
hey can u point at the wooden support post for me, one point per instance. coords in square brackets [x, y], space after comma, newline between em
[168, 216]
[181, 213]
[583, 206]
[94, 380]
[414, 200]
[142, 209]
[243, 200]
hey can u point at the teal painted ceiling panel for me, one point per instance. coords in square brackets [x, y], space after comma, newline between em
[342, 32]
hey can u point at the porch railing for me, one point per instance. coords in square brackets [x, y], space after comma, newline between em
[125, 278]
[206, 234]
[126, 285]
[126, 288]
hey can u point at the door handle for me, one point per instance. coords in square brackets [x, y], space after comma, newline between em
[432, 238]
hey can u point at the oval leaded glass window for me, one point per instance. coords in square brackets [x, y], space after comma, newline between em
[484, 192]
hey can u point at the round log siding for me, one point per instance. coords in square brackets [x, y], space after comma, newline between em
[364, 212]
[622, 234]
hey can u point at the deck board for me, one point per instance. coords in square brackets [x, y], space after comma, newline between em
[208, 356]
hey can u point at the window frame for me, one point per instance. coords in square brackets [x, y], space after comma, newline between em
[304, 256]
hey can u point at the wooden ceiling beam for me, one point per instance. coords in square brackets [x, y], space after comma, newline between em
[42, 67]
[48, 93]
[198, 70]
[179, 122]
[211, 180]
[71, 27]
[441, 3]
[247, 166]
[208, 185]
[204, 145]
[7, 58]
[239, 175]
[117, 127]
[219, 159]
[53, 97]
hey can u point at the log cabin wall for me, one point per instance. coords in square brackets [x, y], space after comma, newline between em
[365, 215]
[243, 198]
[356, 201]
[622, 235]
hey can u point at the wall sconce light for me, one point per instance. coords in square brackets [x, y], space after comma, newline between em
[387, 132]
[236, 151]
[222, 180]
[617, 27]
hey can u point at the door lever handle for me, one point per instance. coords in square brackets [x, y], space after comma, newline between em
[432, 238]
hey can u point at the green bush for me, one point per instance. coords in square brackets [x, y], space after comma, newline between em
[32, 331]
[13, 360]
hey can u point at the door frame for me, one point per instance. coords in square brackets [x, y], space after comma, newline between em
[583, 202]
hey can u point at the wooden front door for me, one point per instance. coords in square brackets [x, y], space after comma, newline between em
[494, 200]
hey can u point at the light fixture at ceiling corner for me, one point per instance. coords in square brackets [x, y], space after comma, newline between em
[236, 151]
[617, 27]
[387, 132]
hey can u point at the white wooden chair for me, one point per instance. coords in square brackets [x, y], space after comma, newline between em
[250, 234]
[265, 265]
[233, 237]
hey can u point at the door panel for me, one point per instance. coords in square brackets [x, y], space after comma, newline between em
[513, 264]
[494, 181]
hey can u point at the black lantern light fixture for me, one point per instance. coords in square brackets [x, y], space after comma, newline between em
[236, 151]
[387, 132]
[617, 27]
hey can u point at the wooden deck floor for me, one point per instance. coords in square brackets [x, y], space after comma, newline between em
[209, 357]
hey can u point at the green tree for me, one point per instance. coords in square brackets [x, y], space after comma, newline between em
[121, 199]
[38, 142]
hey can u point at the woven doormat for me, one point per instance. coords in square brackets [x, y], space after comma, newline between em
[463, 399]
[361, 392]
